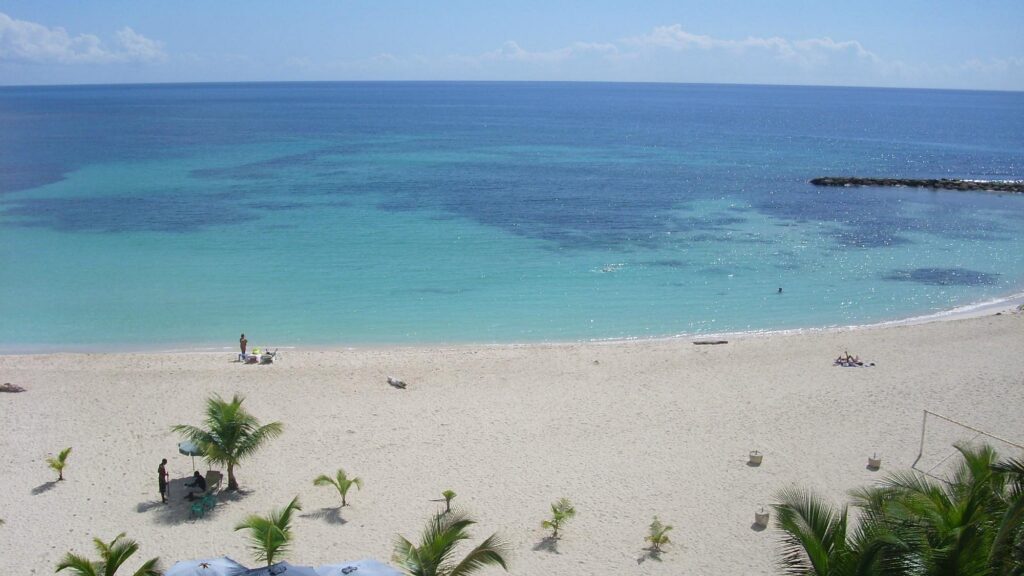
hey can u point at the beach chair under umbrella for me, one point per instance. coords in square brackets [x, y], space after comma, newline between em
[364, 567]
[222, 566]
[281, 569]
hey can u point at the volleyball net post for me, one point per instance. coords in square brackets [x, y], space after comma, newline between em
[945, 434]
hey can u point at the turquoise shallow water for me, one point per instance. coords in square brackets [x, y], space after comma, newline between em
[334, 214]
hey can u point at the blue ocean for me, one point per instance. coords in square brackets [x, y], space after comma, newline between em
[315, 214]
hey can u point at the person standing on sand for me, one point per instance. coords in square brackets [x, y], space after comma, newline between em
[162, 479]
[243, 343]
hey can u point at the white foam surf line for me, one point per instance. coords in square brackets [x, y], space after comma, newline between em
[973, 310]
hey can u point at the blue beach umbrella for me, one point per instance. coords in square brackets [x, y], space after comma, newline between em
[364, 567]
[222, 566]
[190, 449]
[281, 569]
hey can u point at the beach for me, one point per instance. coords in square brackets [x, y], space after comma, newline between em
[625, 430]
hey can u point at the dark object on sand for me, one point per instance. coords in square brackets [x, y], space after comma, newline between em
[396, 383]
[8, 387]
[710, 342]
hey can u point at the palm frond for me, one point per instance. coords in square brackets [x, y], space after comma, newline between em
[79, 565]
[325, 480]
[118, 551]
[814, 532]
[405, 555]
[490, 552]
[270, 536]
[437, 547]
[150, 568]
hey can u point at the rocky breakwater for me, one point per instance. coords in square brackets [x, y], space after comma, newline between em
[1009, 186]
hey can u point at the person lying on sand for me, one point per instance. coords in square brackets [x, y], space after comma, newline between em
[850, 361]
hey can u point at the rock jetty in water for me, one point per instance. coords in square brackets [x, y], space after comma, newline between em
[1015, 187]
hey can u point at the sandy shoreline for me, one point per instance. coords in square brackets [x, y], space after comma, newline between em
[625, 429]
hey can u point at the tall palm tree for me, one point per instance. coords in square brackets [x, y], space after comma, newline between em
[435, 555]
[59, 462]
[269, 536]
[112, 556]
[231, 434]
[341, 483]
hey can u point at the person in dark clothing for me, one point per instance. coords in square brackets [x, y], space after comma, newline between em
[197, 482]
[161, 473]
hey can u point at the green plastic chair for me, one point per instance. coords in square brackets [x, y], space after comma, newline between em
[198, 509]
[209, 501]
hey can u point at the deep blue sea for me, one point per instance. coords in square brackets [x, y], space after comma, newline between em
[392, 213]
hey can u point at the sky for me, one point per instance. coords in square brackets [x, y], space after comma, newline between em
[965, 44]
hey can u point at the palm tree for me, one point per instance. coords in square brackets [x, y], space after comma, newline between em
[449, 495]
[231, 434]
[112, 556]
[816, 540]
[269, 536]
[59, 462]
[972, 524]
[435, 554]
[947, 527]
[658, 535]
[1007, 554]
[561, 512]
[341, 482]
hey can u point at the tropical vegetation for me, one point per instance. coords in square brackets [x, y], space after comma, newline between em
[561, 512]
[230, 435]
[113, 555]
[270, 536]
[972, 524]
[657, 535]
[341, 483]
[436, 553]
[58, 463]
[448, 497]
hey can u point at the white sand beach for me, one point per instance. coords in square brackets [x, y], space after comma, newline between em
[626, 430]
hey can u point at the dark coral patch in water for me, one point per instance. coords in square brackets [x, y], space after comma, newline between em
[944, 277]
[125, 214]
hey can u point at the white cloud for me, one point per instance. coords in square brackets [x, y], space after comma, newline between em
[806, 52]
[512, 52]
[136, 47]
[24, 41]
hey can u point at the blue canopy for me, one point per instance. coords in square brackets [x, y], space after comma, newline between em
[222, 566]
[281, 569]
[190, 449]
[364, 567]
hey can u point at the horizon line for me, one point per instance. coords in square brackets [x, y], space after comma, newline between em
[450, 81]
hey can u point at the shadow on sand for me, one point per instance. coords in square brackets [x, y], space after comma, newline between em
[649, 554]
[178, 508]
[329, 515]
[44, 487]
[547, 544]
